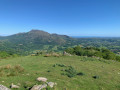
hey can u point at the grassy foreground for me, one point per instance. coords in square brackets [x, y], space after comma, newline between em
[39, 66]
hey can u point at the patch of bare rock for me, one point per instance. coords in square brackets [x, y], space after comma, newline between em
[35, 87]
[4, 88]
[14, 86]
[40, 87]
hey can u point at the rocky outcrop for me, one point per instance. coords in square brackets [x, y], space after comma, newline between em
[51, 84]
[39, 87]
[4, 88]
[42, 79]
[14, 86]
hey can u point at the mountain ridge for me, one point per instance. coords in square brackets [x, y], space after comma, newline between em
[35, 40]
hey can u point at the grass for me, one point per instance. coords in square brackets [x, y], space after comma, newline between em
[9, 70]
[40, 66]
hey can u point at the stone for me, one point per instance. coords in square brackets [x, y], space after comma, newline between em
[42, 79]
[14, 86]
[39, 87]
[4, 88]
[51, 84]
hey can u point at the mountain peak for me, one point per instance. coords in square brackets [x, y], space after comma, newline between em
[37, 31]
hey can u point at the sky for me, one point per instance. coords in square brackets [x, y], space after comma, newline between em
[68, 17]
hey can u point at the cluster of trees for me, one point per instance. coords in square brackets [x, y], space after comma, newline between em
[112, 44]
[93, 51]
[4, 54]
[25, 43]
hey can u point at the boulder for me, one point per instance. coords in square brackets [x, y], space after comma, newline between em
[42, 79]
[14, 86]
[4, 88]
[51, 84]
[39, 87]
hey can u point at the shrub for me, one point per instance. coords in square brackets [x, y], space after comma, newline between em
[54, 65]
[93, 51]
[48, 71]
[80, 74]
[118, 58]
[61, 65]
[4, 54]
[70, 50]
[70, 72]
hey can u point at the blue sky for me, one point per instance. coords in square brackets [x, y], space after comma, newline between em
[70, 17]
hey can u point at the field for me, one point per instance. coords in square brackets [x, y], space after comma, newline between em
[107, 71]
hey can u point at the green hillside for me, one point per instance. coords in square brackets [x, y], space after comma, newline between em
[24, 43]
[93, 73]
[27, 42]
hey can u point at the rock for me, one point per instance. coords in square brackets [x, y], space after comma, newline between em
[4, 88]
[51, 84]
[39, 87]
[14, 86]
[42, 79]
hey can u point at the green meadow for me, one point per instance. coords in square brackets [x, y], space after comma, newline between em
[24, 70]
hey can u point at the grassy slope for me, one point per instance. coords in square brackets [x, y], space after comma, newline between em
[37, 66]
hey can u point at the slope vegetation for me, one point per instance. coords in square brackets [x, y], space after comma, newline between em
[94, 74]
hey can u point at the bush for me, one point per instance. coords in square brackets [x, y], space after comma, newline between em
[70, 50]
[4, 54]
[70, 72]
[61, 65]
[54, 65]
[93, 51]
[118, 58]
[80, 74]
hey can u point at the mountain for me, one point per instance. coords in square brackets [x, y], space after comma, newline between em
[39, 37]
[27, 42]
[35, 40]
